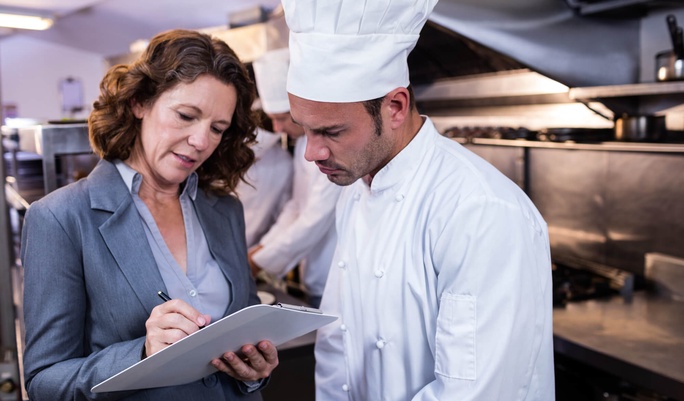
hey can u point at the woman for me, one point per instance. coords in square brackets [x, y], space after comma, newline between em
[173, 130]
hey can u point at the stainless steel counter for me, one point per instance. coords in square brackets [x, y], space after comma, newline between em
[641, 341]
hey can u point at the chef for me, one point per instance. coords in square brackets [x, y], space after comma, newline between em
[303, 235]
[442, 275]
[268, 186]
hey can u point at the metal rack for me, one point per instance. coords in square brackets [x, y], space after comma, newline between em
[52, 141]
[9, 376]
[47, 143]
[634, 99]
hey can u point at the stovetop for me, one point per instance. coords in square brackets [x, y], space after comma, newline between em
[572, 284]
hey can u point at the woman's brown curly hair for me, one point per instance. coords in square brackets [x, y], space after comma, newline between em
[173, 57]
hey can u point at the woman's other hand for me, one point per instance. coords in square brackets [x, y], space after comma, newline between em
[257, 362]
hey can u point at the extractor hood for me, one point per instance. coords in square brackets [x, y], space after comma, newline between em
[546, 36]
[469, 48]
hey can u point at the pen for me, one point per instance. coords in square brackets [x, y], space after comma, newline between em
[163, 296]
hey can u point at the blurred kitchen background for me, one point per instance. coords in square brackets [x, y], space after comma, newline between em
[580, 102]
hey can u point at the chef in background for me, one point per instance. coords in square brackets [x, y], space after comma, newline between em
[303, 236]
[442, 273]
[267, 186]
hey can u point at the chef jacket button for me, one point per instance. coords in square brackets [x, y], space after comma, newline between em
[379, 273]
[345, 387]
[357, 197]
[343, 327]
[380, 344]
[399, 198]
[193, 293]
[341, 264]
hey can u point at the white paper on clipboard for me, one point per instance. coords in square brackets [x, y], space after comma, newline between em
[189, 359]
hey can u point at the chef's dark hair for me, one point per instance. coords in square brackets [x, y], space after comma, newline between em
[373, 109]
[173, 57]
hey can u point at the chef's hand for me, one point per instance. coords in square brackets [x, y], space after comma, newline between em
[257, 362]
[252, 264]
[169, 322]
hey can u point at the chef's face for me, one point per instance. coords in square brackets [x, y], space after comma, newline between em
[282, 123]
[181, 129]
[343, 139]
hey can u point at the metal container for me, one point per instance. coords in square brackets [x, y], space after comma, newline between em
[640, 128]
[669, 67]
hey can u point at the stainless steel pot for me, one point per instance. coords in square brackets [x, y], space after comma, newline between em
[640, 128]
[669, 67]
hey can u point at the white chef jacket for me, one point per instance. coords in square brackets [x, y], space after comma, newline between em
[271, 185]
[442, 282]
[305, 230]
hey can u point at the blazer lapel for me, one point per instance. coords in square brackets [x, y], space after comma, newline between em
[123, 233]
[227, 245]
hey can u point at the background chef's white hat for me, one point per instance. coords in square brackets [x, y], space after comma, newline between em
[270, 73]
[351, 50]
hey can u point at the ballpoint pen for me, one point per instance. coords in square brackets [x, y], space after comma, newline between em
[163, 296]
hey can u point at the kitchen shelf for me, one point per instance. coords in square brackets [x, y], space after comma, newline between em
[643, 89]
[601, 146]
[515, 87]
[633, 99]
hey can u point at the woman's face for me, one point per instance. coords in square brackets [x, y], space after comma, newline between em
[181, 129]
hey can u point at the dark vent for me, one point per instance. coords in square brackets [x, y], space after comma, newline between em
[619, 8]
[441, 53]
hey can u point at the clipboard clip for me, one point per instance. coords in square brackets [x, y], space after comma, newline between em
[299, 308]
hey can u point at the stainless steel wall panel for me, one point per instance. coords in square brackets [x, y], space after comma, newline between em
[568, 189]
[510, 161]
[608, 207]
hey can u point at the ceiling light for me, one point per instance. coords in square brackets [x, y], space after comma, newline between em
[24, 21]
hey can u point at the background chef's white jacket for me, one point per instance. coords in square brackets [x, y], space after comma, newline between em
[442, 281]
[271, 180]
[305, 230]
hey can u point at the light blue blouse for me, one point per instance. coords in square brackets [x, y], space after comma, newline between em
[204, 285]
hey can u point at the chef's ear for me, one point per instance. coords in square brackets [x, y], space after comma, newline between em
[399, 103]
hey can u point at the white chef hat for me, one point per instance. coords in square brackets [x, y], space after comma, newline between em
[351, 50]
[270, 72]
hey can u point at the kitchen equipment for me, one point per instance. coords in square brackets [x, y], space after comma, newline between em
[675, 36]
[669, 67]
[575, 283]
[670, 63]
[665, 274]
[575, 135]
[489, 132]
[640, 128]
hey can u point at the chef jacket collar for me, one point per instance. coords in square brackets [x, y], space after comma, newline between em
[406, 161]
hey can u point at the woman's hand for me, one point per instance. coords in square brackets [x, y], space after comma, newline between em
[257, 362]
[170, 322]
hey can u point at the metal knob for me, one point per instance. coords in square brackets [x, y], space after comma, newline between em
[7, 386]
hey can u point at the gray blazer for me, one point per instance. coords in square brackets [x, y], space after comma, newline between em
[91, 281]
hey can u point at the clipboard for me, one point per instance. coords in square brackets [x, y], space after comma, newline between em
[188, 359]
